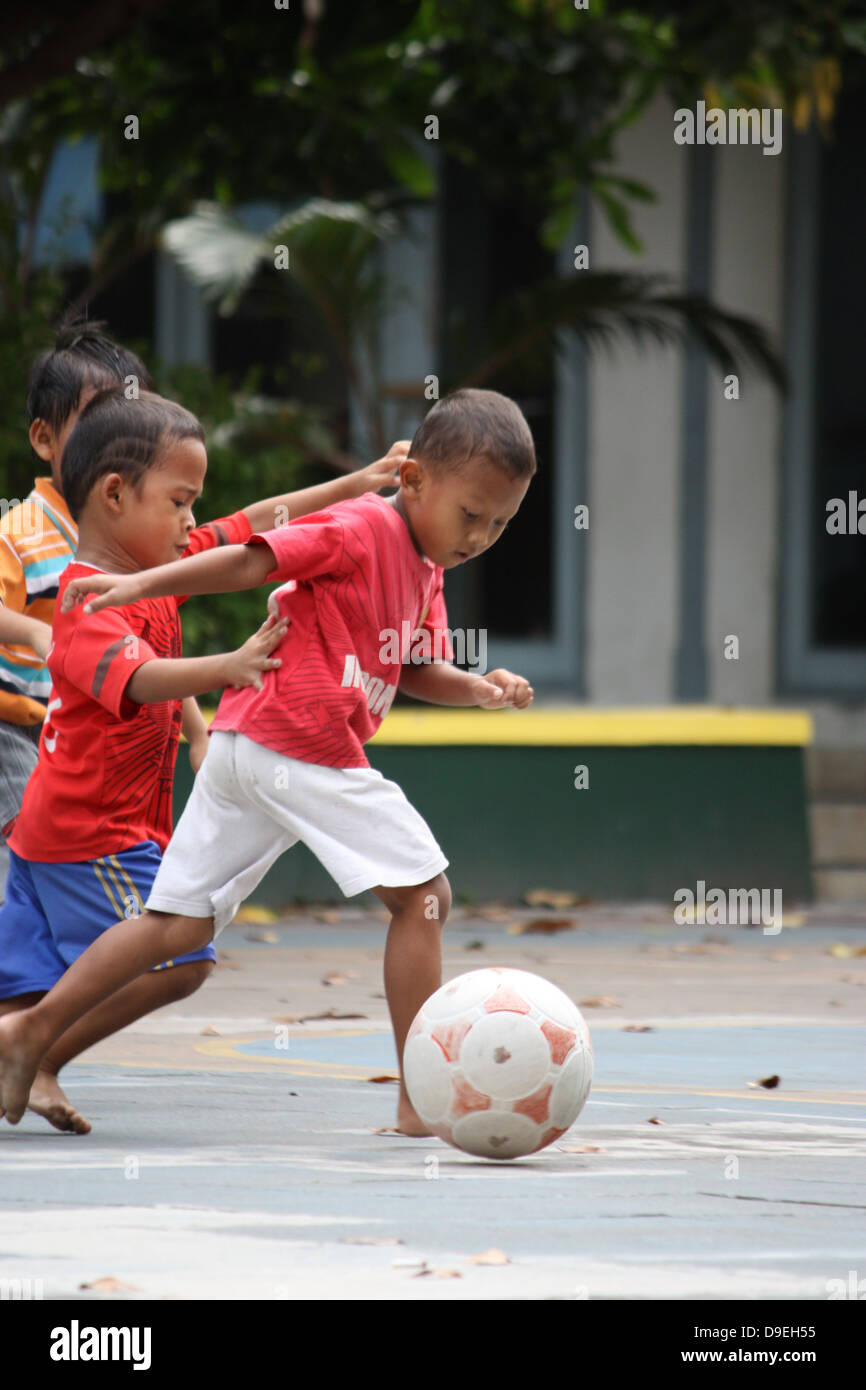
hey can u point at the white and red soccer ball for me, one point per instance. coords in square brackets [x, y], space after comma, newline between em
[498, 1062]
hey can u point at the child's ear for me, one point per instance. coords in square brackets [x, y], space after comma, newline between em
[411, 474]
[111, 488]
[43, 440]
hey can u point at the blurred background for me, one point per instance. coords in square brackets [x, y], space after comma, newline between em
[490, 193]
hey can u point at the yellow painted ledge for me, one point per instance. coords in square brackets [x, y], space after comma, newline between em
[570, 726]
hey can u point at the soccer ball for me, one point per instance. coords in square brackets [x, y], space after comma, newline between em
[498, 1062]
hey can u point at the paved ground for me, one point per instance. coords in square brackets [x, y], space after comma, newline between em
[229, 1159]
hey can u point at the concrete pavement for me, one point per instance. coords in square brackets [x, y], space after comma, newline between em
[234, 1152]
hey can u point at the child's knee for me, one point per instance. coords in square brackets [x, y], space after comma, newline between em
[186, 978]
[437, 899]
[431, 900]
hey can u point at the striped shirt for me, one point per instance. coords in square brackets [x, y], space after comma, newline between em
[38, 539]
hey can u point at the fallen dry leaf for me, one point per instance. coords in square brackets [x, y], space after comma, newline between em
[389, 1130]
[580, 1149]
[600, 1001]
[256, 916]
[489, 1257]
[637, 1028]
[285, 1018]
[210, 1032]
[656, 1121]
[339, 977]
[268, 938]
[541, 926]
[329, 1013]
[768, 1082]
[447, 1274]
[383, 1079]
[493, 912]
[554, 897]
[109, 1285]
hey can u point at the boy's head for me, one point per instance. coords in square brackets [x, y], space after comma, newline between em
[131, 472]
[64, 378]
[469, 466]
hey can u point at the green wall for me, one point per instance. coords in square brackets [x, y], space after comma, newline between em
[651, 820]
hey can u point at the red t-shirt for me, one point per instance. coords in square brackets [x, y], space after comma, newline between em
[103, 781]
[361, 600]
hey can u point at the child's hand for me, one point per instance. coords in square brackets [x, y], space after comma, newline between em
[501, 688]
[384, 472]
[113, 590]
[245, 666]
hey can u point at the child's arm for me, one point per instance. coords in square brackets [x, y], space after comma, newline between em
[195, 732]
[175, 678]
[443, 684]
[220, 571]
[275, 511]
[28, 632]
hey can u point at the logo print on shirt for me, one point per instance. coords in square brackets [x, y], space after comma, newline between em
[379, 696]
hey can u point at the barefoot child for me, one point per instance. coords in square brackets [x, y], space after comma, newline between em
[96, 813]
[286, 762]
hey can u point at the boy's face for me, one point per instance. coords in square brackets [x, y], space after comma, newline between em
[455, 517]
[49, 443]
[149, 525]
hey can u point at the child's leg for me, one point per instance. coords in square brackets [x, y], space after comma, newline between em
[21, 1001]
[115, 959]
[413, 967]
[150, 991]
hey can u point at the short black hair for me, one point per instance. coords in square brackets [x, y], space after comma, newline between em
[114, 434]
[83, 355]
[471, 423]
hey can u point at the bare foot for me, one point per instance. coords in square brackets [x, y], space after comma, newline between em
[409, 1121]
[49, 1100]
[20, 1055]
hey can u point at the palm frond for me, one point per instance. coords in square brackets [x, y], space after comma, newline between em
[604, 308]
[219, 254]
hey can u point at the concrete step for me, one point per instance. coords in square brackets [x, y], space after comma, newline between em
[838, 834]
[836, 774]
[840, 885]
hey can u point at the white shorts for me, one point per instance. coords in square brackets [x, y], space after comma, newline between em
[249, 804]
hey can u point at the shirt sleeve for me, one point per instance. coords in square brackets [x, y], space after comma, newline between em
[226, 530]
[305, 548]
[11, 570]
[101, 657]
[435, 621]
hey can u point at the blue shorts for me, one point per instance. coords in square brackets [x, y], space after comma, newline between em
[53, 912]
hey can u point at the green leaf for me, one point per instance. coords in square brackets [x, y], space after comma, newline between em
[617, 216]
[410, 168]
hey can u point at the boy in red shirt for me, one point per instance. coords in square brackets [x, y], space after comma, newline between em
[286, 760]
[96, 812]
